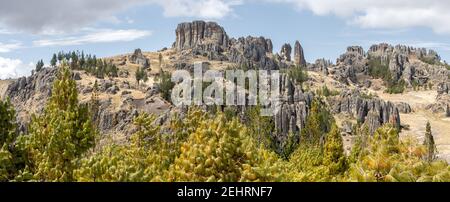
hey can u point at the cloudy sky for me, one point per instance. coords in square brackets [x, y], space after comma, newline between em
[34, 30]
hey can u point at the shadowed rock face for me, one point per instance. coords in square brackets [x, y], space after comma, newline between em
[321, 65]
[354, 58]
[399, 59]
[299, 55]
[30, 95]
[252, 52]
[139, 58]
[206, 36]
[285, 52]
[294, 108]
[372, 111]
[209, 39]
[413, 65]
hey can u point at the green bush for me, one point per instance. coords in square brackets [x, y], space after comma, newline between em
[378, 69]
[298, 74]
[326, 92]
[397, 87]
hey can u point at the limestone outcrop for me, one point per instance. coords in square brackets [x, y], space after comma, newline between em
[299, 55]
[138, 58]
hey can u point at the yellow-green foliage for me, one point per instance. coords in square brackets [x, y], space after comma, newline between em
[334, 157]
[259, 127]
[387, 159]
[146, 158]
[7, 135]
[142, 160]
[306, 164]
[203, 147]
[319, 122]
[60, 135]
[429, 144]
[222, 151]
[6, 163]
[316, 163]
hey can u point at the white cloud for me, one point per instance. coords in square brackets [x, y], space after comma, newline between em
[383, 14]
[6, 32]
[62, 15]
[213, 9]
[69, 15]
[96, 36]
[5, 48]
[14, 68]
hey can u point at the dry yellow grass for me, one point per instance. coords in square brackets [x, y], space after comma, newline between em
[3, 87]
[418, 119]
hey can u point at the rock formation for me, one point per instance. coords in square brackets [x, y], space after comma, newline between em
[293, 111]
[416, 66]
[30, 94]
[252, 52]
[197, 40]
[286, 51]
[321, 65]
[354, 58]
[299, 55]
[403, 107]
[352, 103]
[413, 65]
[138, 58]
[210, 40]
[204, 38]
[441, 105]
[294, 108]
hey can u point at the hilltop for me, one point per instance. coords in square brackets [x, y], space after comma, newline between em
[401, 85]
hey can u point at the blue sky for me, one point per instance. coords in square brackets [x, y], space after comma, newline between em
[110, 27]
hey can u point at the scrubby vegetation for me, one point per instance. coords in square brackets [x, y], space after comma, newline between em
[141, 75]
[380, 70]
[395, 87]
[203, 146]
[165, 84]
[80, 61]
[298, 74]
[326, 92]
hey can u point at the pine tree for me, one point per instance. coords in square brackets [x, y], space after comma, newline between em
[39, 65]
[7, 135]
[100, 71]
[61, 134]
[318, 123]
[82, 60]
[54, 60]
[94, 105]
[160, 58]
[165, 84]
[138, 76]
[222, 151]
[113, 71]
[141, 75]
[334, 156]
[362, 135]
[311, 134]
[429, 144]
[260, 126]
[7, 122]
[60, 56]
[140, 161]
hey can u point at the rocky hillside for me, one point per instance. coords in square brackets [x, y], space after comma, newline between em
[359, 79]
